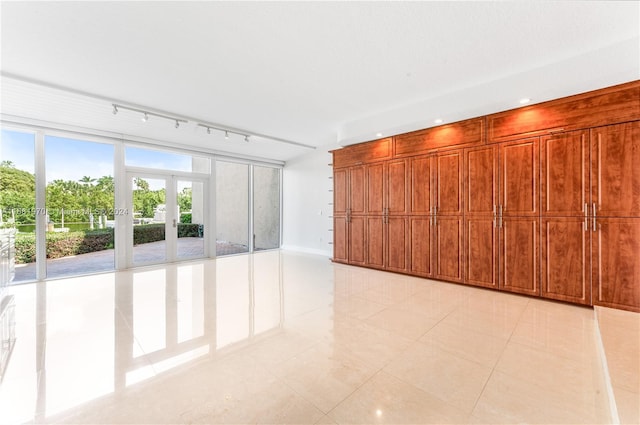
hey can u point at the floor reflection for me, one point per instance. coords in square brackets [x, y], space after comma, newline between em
[93, 337]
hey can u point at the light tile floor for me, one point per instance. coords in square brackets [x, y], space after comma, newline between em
[283, 337]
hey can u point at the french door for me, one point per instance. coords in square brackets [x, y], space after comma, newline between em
[166, 218]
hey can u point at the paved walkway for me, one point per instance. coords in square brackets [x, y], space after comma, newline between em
[104, 260]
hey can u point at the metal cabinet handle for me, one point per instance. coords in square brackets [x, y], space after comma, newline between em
[594, 217]
[586, 217]
[500, 216]
[495, 221]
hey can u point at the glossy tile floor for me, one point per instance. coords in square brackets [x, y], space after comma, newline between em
[283, 337]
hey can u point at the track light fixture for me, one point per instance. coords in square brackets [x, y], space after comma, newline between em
[226, 131]
[146, 114]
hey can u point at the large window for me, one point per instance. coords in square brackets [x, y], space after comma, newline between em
[266, 207]
[79, 206]
[18, 199]
[76, 210]
[232, 208]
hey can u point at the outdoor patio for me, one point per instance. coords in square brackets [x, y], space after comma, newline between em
[104, 260]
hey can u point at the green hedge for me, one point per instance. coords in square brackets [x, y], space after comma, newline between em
[148, 233]
[63, 244]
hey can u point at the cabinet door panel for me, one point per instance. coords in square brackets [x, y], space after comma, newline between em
[519, 267]
[565, 259]
[357, 190]
[340, 191]
[615, 168]
[397, 185]
[564, 177]
[397, 244]
[340, 247]
[449, 248]
[375, 241]
[449, 183]
[375, 188]
[481, 251]
[357, 238]
[421, 261]
[481, 183]
[519, 178]
[616, 263]
[421, 185]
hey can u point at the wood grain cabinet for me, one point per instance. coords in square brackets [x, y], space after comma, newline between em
[518, 216]
[546, 202]
[590, 191]
[480, 216]
[387, 194]
[348, 215]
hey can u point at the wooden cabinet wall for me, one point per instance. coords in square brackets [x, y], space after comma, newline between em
[546, 202]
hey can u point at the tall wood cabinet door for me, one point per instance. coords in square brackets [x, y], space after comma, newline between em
[566, 270]
[519, 176]
[398, 247]
[449, 178]
[564, 175]
[376, 189]
[449, 248]
[519, 259]
[616, 263]
[421, 229]
[398, 183]
[481, 180]
[375, 241]
[340, 244]
[357, 190]
[615, 165]
[421, 186]
[481, 251]
[340, 191]
[357, 240]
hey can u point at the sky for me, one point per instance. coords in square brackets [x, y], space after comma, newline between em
[72, 159]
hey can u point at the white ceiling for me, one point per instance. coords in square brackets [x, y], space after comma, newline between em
[315, 73]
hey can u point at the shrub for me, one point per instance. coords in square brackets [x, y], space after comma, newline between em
[187, 230]
[63, 244]
[185, 218]
[148, 233]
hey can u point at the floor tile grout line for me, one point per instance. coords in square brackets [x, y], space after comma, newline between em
[613, 407]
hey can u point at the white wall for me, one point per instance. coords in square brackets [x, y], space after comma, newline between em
[306, 202]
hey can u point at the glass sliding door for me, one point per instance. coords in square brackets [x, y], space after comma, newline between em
[266, 207]
[232, 208]
[18, 201]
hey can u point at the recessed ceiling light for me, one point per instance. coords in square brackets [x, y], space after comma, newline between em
[378, 134]
[524, 100]
[438, 121]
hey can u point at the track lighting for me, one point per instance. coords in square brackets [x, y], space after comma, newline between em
[226, 130]
[146, 114]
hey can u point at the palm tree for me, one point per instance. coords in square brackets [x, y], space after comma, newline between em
[86, 180]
